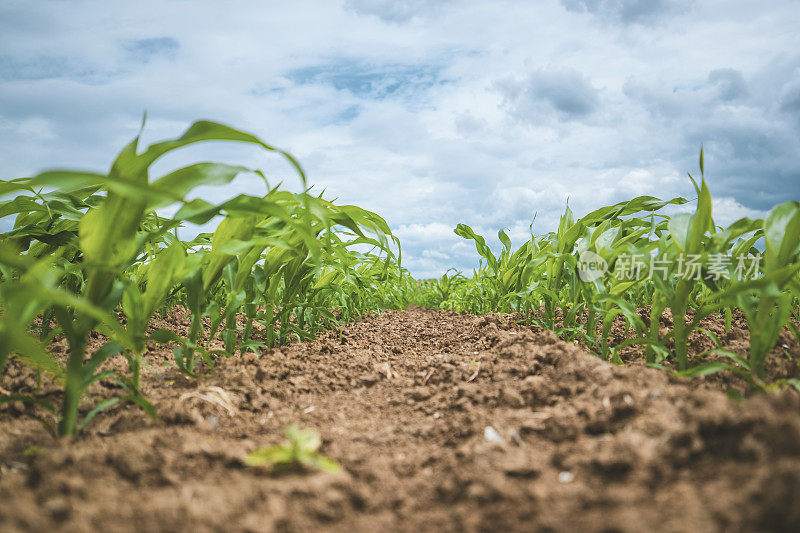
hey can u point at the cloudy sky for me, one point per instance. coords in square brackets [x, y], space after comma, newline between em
[431, 113]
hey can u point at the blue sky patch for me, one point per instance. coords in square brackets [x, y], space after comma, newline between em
[367, 80]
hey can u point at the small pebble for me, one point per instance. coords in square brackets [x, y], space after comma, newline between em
[491, 435]
[565, 477]
[628, 399]
[210, 423]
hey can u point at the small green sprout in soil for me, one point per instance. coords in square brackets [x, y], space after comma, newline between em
[298, 452]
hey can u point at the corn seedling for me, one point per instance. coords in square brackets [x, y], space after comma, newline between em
[299, 450]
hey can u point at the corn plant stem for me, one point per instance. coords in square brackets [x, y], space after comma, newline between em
[608, 321]
[758, 336]
[284, 319]
[655, 324]
[73, 387]
[136, 372]
[194, 332]
[250, 313]
[591, 319]
[230, 333]
[270, 326]
[679, 305]
[98, 285]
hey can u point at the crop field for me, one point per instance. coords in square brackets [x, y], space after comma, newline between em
[635, 370]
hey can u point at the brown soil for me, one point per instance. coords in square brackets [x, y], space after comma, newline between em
[441, 422]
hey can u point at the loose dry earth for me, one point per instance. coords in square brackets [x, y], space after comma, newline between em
[441, 422]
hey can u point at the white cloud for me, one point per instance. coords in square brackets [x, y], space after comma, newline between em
[727, 210]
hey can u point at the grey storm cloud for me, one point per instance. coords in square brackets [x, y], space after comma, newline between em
[754, 161]
[753, 143]
[628, 11]
[790, 98]
[721, 87]
[568, 92]
[730, 82]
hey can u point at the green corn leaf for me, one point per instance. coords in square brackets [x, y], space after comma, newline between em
[162, 273]
[462, 230]
[180, 182]
[163, 336]
[680, 230]
[702, 166]
[320, 462]
[231, 228]
[504, 239]
[269, 456]
[108, 233]
[782, 232]
[704, 369]
[108, 350]
[205, 130]
[148, 408]
[64, 180]
[305, 440]
[102, 406]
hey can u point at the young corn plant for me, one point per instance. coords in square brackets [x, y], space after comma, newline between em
[29, 287]
[687, 238]
[614, 236]
[109, 237]
[142, 295]
[443, 287]
[767, 300]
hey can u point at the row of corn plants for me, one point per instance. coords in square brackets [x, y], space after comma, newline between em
[90, 252]
[632, 262]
